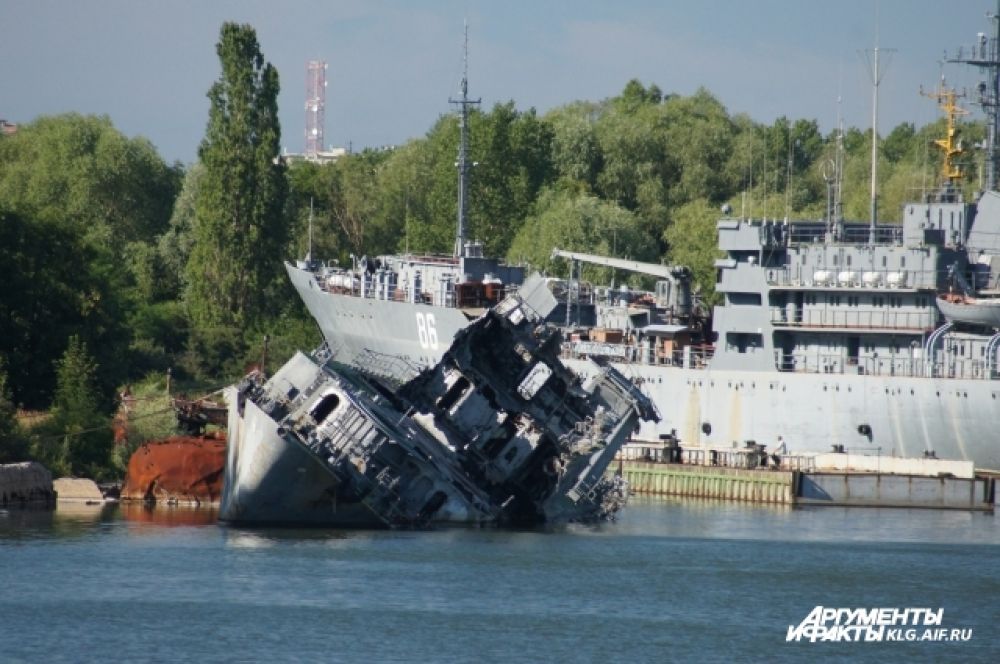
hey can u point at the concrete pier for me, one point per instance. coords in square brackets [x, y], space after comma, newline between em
[676, 479]
[881, 490]
[851, 488]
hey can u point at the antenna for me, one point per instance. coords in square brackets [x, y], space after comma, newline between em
[838, 174]
[788, 180]
[985, 55]
[750, 183]
[309, 253]
[463, 148]
[315, 105]
[875, 72]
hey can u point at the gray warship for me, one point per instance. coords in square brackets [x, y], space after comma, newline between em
[860, 336]
[498, 431]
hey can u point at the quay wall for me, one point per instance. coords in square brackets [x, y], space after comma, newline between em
[794, 487]
[674, 479]
[880, 490]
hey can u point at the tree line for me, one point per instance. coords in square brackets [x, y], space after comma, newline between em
[118, 267]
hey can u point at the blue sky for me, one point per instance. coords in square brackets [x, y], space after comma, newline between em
[393, 64]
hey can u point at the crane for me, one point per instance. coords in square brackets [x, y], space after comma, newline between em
[673, 287]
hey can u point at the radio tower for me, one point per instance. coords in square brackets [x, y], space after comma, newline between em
[315, 105]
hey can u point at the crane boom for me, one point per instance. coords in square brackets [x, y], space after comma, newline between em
[671, 272]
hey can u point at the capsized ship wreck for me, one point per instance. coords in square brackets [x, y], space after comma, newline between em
[497, 431]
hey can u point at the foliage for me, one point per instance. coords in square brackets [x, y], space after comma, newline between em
[13, 445]
[173, 247]
[54, 286]
[149, 416]
[83, 443]
[238, 227]
[512, 152]
[693, 240]
[80, 171]
[576, 221]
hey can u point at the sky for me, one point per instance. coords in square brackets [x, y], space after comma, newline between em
[393, 64]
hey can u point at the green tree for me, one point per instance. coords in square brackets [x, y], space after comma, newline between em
[568, 219]
[173, 246]
[79, 171]
[239, 229]
[84, 441]
[13, 446]
[82, 204]
[576, 152]
[693, 240]
[404, 204]
[54, 285]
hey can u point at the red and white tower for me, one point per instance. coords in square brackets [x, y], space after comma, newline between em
[315, 105]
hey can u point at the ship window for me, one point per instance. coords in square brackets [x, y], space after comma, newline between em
[848, 261]
[902, 261]
[741, 341]
[324, 407]
[454, 393]
[835, 259]
[752, 299]
[885, 261]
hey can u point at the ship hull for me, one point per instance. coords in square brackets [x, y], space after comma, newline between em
[956, 419]
[353, 325]
[269, 480]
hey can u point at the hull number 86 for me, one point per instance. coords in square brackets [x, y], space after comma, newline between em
[426, 331]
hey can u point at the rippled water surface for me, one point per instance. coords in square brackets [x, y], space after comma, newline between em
[668, 581]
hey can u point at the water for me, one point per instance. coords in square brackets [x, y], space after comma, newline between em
[668, 581]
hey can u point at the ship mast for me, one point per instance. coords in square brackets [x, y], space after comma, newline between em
[875, 71]
[985, 54]
[463, 164]
[951, 172]
[838, 170]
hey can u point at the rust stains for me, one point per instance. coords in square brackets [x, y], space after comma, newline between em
[178, 470]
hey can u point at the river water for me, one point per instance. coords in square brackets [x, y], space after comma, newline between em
[670, 580]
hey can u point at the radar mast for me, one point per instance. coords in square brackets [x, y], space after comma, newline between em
[984, 55]
[463, 163]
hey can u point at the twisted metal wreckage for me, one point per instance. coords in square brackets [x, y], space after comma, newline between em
[498, 431]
